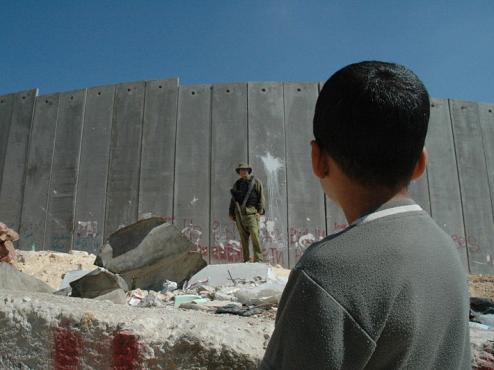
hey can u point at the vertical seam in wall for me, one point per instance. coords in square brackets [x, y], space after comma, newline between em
[485, 161]
[210, 170]
[177, 117]
[11, 111]
[48, 197]
[459, 183]
[26, 161]
[248, 131]
[138, 205]
[76, 185]
[108, 170]
[286, 176]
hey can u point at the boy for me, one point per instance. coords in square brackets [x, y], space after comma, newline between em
[389, 291]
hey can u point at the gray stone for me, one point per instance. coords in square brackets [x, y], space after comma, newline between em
[149, 252]
[12, 279]
[70, 276]
[117, 296]
[230, 274]
[98, 282]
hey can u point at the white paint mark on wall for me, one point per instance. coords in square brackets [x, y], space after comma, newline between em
[273, 231]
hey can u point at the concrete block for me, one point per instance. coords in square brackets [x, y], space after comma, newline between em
[52, 332]
[117, 296]
[12, 279]
[222, 275]
[71, 276]
[98, 282]
[149, 252]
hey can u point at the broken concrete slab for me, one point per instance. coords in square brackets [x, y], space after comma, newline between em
[71, 276]
[12, 279]
[230, 274]
[98, 282]
[149, 252]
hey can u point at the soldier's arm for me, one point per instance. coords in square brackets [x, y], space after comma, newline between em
[261, 207]
[231, 209]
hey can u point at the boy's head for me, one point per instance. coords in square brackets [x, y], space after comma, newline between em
[371, 118]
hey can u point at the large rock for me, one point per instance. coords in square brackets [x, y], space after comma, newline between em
[45, 331]
[98, 282]
[149, 252]
[12, 279]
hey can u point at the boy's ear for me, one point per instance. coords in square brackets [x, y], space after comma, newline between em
[320, 166]
[420, 165]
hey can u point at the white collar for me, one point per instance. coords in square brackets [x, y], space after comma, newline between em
[386, 212]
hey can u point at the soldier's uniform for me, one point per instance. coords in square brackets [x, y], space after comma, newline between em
[247, 217]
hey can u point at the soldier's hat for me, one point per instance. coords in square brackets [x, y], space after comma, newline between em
[243, 166]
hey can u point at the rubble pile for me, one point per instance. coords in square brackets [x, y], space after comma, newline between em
[7, 239]
[151, 265]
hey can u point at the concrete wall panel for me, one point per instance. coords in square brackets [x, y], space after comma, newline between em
[125, 157]
[306, 214]
[444, 185]
[192, 168]
[158, 149]
[6, 102]
[419, 191]
[93, 169]
[61, 195]
[229, 148]
[474, 185]
[14, 167]
[486, 114]
[267, 156]
[34, 208]
[335, 218]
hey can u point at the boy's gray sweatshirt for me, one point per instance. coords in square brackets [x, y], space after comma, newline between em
[390, 293]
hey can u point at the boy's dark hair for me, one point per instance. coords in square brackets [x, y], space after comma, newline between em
[371, 118]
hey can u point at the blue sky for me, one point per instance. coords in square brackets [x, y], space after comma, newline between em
[67, 45]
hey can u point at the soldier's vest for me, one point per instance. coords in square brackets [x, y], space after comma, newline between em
[242, 188]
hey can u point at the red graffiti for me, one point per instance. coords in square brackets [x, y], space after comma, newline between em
[67, 349]
[470, 243]
[125, 351]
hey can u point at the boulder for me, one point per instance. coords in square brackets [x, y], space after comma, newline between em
[97, 283]
[149, 252]
[12, 279]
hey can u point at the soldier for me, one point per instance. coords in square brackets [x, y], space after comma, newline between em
[246, 207]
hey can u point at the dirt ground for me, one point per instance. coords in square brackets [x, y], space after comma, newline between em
[481, 286]
[50, 266]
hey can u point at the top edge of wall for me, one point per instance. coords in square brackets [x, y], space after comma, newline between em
[176, 80]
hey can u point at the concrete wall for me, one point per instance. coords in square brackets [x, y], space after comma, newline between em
[75, 166]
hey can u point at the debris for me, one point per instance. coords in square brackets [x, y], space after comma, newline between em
[97, 283]
[169, 286]
[151, 300]
[149, 252]
[239, 310]
[267, 293]
[184, 298]
[117, 296]
[7, 237]
[12, 279]
[482, 305]
[230, 274]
